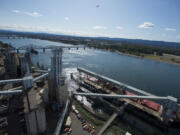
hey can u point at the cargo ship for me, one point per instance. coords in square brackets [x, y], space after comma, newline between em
[161, 113]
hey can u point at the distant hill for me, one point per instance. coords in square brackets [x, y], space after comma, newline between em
[144, 42]
[173, 45]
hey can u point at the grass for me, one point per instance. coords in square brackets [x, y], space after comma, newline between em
[88, 116]
[163, 58]
[114, 130]
[91, 119]
[172, 59]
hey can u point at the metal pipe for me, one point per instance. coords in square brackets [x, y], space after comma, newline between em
[42, 71]
[16, 88]
[113, 81]
[61, 119]
[10, 81]
[120, 96]
[40, 77]
[173, 99]
[8, 92]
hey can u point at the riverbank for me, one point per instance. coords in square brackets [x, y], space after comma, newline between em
[166, 58]
[132, 50]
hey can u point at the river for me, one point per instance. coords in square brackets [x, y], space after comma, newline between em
[152, 76]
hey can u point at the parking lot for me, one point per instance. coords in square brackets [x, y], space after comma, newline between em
[77, 126]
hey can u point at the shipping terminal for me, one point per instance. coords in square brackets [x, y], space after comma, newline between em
[36, 101]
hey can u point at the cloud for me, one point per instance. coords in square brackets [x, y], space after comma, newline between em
[170, 29]
[16, 11]
[33, 14]
[119, 27]
[66, 18]
[146, 25]
[97, 27]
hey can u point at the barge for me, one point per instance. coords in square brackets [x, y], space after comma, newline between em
[166, 113]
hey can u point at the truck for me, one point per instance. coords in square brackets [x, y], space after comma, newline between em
[68, 122]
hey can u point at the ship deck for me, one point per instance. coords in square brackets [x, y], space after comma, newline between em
[129, 101]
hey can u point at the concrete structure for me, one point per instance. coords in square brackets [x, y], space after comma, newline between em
[31, 123]
[36, 121]
[23, 65]
[44, 95]
[35, 111]
[55, 73]
[11, 63]
[41, 120]
[57, 87]
[34, 99]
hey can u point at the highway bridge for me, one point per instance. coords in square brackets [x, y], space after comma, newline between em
[54, 75]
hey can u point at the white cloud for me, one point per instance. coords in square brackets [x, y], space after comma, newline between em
[97, 27]
[66, 18]
[119, 27]
[33, 14]
[15, 11]
[170, 29]
[178, 36]
[146, 25]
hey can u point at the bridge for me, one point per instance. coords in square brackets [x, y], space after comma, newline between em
[29, 47]
[54, 74]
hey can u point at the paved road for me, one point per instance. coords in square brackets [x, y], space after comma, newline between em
[76, 126]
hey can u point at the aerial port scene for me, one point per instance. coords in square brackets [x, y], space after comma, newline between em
[90, 67]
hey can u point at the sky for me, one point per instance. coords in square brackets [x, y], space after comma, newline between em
[134, 19]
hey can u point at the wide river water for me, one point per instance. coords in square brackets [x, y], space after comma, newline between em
[152, 76]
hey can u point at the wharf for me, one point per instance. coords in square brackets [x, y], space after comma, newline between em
[130, 102]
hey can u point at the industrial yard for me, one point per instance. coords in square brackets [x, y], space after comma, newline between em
[89, 67]
[43, 101]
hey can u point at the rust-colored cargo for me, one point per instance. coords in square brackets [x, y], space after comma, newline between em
[131, 94]
[150, 104]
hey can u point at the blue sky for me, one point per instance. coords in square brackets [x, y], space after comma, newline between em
[145, 19]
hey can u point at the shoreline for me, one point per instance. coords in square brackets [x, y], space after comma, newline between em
[121, 53]
[140, 57]
[145, 57]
